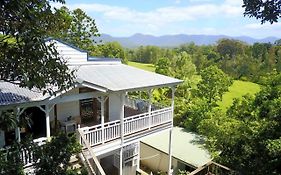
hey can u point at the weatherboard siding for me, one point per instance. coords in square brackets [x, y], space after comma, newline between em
[71, 54]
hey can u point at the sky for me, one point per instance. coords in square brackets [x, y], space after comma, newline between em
[121, 18]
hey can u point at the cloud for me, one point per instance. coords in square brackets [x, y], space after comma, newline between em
[169, 19]
[266, 26]
[160, 16]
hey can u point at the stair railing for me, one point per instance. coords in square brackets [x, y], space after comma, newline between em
[94, 165]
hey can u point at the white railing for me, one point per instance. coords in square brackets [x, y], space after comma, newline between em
[93, 165]
[27, 156]
[96, 134]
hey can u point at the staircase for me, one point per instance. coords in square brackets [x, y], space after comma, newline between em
[88, 157]
[75, 163]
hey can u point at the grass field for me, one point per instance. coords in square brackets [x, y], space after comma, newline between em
[148, 67]
[237, 90]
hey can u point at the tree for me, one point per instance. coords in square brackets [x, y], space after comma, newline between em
[109, 50]
[213, 84]
[25, 59]
[266, 11]
[230, 48]
[53, 157]
[77, 28]
[248, 135]
[163, 66]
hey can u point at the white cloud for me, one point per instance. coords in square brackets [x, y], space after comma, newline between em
[162, 15]
[159, 20]
[266, 26]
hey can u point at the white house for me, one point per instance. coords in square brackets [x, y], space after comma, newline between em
[109, 124]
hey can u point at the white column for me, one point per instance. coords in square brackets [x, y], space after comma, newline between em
[48, 130]
[121, 161]
[102, 118]
[122, 101]
[149, 108]
[173, 103]
[170, 133]
[170, 152]
[17, 130]
[138, 163]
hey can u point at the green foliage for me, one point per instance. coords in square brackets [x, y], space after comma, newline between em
[269, 10]
[109, 50]
[248, 135]
[230, 48]
[8, 120]
[78, 28]
[214, 82]
[148, 54]
[163, 66]
[53, 157]
[24, 26]
[10, 162]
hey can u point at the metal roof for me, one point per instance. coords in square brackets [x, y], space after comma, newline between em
[12, 93]
[185, 146]
[107, 76]
[120, 77]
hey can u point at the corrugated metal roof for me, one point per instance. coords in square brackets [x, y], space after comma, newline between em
[112, 77]
[118, 77]
[185, 146]
[11, 93]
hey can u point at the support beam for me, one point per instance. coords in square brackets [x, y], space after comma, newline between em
[18, 111]
[170, 171]
[48, 130]
[122, 110]
[149, 107]
[17, 130]
[102, 117]
[121, 161]
[138, 161]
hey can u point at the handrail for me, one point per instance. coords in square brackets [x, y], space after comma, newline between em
[93, 156]
[133, 124]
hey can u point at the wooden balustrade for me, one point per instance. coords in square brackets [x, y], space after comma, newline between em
[132, 125]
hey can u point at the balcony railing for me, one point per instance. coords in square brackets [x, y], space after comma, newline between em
[112, 130]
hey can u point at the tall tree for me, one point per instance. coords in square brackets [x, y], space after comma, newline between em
[77, 28]
[213, 84]
[25, 59]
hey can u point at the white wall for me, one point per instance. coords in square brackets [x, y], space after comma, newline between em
[114, 106]
[71, 54]
[67, 109]
[156, 160]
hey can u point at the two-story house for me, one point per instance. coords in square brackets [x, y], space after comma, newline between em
[108, 123]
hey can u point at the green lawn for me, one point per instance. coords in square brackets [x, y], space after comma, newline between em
[237, 90]
[148, 67]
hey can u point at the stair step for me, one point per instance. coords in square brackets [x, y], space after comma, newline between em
[76, 166]
[73, 160]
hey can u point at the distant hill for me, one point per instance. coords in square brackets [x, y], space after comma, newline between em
[176, 40]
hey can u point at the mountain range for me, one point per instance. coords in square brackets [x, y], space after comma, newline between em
[176, 40]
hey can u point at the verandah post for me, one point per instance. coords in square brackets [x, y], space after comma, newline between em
[170, 134]
[149, 108]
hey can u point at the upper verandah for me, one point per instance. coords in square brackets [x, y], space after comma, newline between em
[110, 75]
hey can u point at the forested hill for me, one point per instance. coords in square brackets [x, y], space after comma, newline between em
[176, 40]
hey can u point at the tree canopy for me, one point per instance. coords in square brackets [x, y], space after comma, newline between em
[266, 11]
[25, 59]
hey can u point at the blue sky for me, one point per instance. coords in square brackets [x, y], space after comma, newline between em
[162, 17]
